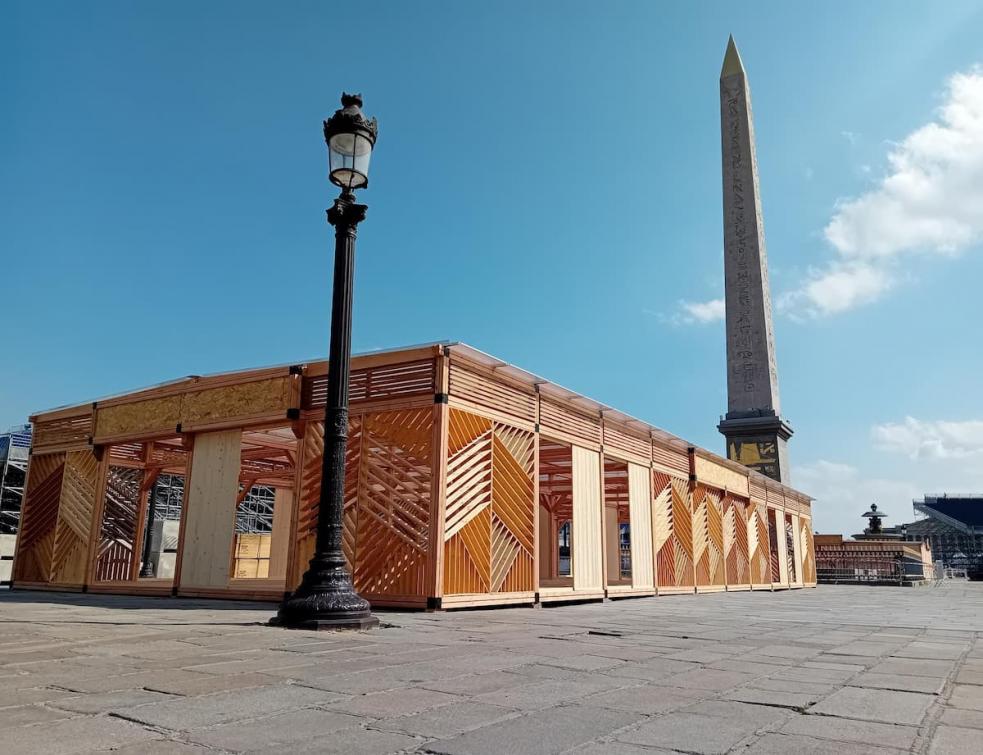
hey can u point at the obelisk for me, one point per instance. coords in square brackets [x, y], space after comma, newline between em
[756, 434]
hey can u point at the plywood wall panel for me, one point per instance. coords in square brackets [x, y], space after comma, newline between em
[210, 510]
[640, 511]
[717, 475]
[587, 549]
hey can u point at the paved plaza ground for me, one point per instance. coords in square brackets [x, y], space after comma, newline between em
[836, 670]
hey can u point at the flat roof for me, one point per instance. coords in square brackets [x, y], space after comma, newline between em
[498, 366]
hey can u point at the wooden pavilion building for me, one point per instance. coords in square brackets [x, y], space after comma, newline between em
[469, 482]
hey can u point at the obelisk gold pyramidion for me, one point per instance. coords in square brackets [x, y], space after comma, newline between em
[755, 431]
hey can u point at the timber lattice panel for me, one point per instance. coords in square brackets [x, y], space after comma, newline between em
[672, 524]
[387, 500]
[775, 569]
[758, 544]
[78, 494]
[118, 530]
[474, 387]
[736, 541]
[375, 383]
[392, 517]
[808, 557]
[36, 538]
[630, 443]
[674, 460]
[62, 432]
[790, 536]
[567, 422]
[708, 537]
[489, 521]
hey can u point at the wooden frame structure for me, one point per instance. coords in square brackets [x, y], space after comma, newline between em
[469, 482]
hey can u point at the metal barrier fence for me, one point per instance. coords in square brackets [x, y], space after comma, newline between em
[872, 570]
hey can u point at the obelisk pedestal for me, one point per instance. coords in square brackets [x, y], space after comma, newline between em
[756, 434]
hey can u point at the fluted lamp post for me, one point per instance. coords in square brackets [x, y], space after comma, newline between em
[326, 598]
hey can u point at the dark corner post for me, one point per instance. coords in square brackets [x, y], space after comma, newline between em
[326, 598]
[149, 569]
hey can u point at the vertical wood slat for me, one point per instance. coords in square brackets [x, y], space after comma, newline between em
[587, 547]
[640, 507]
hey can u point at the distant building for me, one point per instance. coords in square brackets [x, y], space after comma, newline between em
[879, 555]
[952, 526]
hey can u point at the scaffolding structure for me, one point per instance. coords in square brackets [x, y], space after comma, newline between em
[15, 446]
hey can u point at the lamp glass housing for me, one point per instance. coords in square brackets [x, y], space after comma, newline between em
[348, 157]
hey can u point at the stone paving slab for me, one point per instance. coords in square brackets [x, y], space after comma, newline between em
[280, 731]
[797, 671]
[886, 706]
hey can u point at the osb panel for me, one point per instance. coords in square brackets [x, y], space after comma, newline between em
[719, 476]
[143, 417]
[194, 409]
[243, 400]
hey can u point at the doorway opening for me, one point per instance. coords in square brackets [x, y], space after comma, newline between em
[556, 524]
[617, 523]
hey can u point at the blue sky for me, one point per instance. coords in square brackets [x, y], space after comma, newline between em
[546, 187]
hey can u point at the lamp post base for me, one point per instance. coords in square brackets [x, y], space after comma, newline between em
[325, 600]
[357, 625]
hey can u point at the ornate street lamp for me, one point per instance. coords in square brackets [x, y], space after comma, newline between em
[326, 598]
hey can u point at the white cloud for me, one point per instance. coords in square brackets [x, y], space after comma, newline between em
[840, 287]
[849, 136]
[842, 494]
[930, 202]
[919, 439]
[702, 311]
[692, 313]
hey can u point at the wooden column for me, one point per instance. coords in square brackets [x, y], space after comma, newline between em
[587, 543]
[206, 548]
[283, 502]
[640, 513]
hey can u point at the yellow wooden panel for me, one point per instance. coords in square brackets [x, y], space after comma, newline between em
[247, 569]
[717, 475]
[213, 405]
[149, 416]
[640, 511]
[588, 571]
[210, 510]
